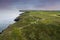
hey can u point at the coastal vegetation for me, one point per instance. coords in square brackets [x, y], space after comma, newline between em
[34, 25]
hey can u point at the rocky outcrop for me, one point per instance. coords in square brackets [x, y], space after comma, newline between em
[17, 19]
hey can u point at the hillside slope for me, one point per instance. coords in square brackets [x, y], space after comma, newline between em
[34, 25]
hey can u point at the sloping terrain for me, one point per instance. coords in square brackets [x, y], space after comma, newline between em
[34, 25]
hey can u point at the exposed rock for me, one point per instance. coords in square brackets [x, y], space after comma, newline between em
[1, 31]
[17, 19]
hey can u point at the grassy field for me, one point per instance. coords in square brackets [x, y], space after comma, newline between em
[34, 25]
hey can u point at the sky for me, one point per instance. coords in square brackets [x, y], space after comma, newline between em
[30, 4]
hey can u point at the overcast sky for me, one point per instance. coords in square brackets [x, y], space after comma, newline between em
[30, 4]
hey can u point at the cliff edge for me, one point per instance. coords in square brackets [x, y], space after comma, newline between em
[34, 25]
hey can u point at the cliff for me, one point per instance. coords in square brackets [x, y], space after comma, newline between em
[34, 25]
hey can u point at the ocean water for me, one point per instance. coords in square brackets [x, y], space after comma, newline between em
[7, 17]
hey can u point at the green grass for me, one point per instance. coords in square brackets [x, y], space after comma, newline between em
[34, 25]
